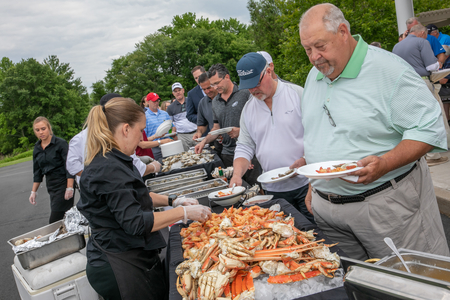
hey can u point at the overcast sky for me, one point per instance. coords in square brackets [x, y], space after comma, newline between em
[89, 34]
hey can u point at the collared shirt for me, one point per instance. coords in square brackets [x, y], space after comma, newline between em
[177, 113]
[444, 39]
[376, 102]
[435, 45]
[228, 114]
[113, 196]
[205, 115]
[153, 120]
[51, 160]
[274, 133]
[417, 52]
[77, 153]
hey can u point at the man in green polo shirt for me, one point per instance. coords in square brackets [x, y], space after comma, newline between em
[365, 104]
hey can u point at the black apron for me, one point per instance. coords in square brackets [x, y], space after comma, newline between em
[139, 273]
[56, 188]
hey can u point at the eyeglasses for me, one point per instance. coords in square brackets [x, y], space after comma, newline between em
[262, 77]
[217, 83]
[329, 116]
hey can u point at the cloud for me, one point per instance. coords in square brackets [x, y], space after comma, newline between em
[90, 34]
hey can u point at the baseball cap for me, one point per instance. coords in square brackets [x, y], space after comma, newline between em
[249, 68]
[431, 27]
[152, 97]
[266, 56]
[176, 85]
[108, 97]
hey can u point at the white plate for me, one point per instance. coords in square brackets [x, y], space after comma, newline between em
[310, 170]
[170, 134]
[227, 200]
[258, 200]
[221, 131]
[267, 176]
[163, 128]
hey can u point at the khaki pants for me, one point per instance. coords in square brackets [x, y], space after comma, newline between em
[186, 140]
[407, 212]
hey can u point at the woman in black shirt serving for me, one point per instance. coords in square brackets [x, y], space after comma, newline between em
[122, 252]
[49, 159]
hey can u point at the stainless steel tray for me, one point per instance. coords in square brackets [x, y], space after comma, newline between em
[197, 189]
[167, 180]
[176, 184]
[425, 264]
[47, 253]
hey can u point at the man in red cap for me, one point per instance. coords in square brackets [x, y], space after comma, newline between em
[154, 117]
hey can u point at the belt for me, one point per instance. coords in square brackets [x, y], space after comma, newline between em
[187, 132]
[337, 199]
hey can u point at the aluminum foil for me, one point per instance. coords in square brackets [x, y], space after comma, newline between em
[74, 222]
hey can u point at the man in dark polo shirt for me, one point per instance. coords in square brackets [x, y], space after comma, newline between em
[195, 95]
[177, 112]
[227, 107]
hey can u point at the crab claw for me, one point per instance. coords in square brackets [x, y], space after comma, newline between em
[231, 263]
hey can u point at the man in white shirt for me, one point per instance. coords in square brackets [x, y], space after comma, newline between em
[77, 146]
[271, 129]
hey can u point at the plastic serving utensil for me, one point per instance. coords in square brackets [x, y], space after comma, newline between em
[391, 245]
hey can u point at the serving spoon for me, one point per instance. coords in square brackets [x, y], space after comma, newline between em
[391, 245]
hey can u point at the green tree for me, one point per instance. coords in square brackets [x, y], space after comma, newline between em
[169, 55]
[30, 89]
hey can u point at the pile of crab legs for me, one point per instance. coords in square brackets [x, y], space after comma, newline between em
[225, 253]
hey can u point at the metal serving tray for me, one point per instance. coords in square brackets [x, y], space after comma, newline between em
[47, 253]
[197, 190]
[171, 181]
[432, 266]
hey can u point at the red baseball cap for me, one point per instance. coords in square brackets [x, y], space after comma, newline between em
[152, 97]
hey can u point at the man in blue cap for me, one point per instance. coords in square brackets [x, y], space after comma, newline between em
[271, 129]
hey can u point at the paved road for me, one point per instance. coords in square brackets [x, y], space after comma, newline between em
[18, 216]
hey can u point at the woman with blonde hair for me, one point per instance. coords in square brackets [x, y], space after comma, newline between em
[49, 159]
[164, 105]
[122, 252]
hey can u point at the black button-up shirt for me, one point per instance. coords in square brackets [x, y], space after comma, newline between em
[50, 161]
[114, 197]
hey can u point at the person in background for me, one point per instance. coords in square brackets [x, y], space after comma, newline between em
[273, 105]
[376, 44]
[194, 96]
[368, 105]
[205, 116]
[227, 108]
[49, 159]
[184, 128]
[77, 145]
[400, 37]
[444, 39]
[165, 105]
[155, 117]
[144, 103]
[122, 252]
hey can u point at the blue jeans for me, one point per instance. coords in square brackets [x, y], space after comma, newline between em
[297, 199]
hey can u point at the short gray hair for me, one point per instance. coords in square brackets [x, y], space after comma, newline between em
[332, 18]
[418, 28]
[412, 20]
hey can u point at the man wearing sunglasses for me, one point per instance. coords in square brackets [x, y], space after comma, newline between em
[271, 129]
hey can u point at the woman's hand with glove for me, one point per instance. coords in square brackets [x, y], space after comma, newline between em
[184, 202]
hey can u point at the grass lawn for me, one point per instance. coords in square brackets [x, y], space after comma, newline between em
[18, 161]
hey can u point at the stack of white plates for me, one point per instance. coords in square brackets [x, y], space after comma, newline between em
[163, 128]
[221, 131]
[172, 148]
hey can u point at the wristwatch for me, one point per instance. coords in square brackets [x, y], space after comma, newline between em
[172, 198]
[159, 142]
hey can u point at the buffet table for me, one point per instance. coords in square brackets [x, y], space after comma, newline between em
[174, 254]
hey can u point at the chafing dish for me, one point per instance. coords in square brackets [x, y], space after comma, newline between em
[59, 248]
[170, 182]
[199, 191]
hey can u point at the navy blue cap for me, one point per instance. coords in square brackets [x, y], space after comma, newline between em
[249, 69]
[108, 97]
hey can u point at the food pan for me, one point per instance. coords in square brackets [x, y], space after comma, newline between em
[176, 184]
[153, 183]
[198, 189]
[59, 248]
[433, 266]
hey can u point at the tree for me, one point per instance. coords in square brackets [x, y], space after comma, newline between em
[169, 55]
[30, 89]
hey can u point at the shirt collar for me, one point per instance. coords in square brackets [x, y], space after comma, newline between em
[235, 90]
[354, 65]
[120, 155]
